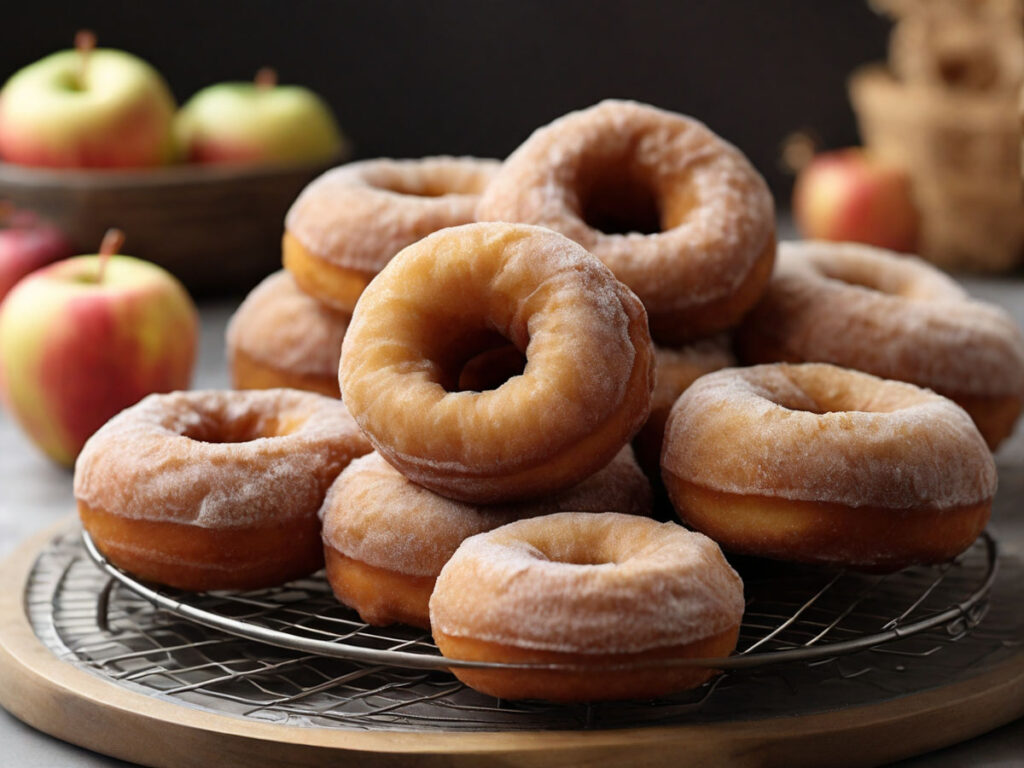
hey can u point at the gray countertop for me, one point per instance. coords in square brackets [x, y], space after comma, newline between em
[34, 494]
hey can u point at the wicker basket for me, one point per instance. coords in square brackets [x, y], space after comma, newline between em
[962, 150]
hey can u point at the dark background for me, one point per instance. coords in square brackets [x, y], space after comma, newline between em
[408, 79]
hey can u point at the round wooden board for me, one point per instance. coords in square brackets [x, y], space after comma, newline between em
[72, 704]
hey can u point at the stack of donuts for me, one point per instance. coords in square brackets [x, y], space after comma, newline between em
[503, 336]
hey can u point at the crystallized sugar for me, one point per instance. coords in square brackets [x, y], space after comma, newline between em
[728, 215]
[358, 216]
[375, 515]
[815, 432]
[161, 460]
[281, 326]
[521, 585]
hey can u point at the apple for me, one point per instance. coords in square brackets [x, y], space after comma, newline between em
[82, 339]
[87, 108]
[849, 195]
[258, 122]
[26, 244]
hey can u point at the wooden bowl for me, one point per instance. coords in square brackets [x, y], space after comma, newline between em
[217, 228]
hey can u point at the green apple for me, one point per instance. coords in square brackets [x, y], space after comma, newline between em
[84, 338]
[258, 122]
[87, 108]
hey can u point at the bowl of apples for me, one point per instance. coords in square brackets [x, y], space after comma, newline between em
[91, 138]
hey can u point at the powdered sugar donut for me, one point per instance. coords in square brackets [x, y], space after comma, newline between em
[820, 464]
[282, 337]
[678, 214]
[386, 538]
[347, 224]
[584, 392]
[602, 595]
[215, 489]
[896, 317]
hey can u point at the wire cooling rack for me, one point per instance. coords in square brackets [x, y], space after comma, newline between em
[305, 616]
[928, 619]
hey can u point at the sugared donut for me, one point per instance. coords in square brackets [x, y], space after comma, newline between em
[347, 224]
[216, 489]
[674, 371]
[896, 317]
[820, 464]
[282, 337]
[386, 538]
[584, 392]
[614, 598]
[678, 214]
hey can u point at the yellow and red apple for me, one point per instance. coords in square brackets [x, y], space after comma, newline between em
[849, 195]
[82, 339]
[259, 122]
[27, 243]
[86, 108]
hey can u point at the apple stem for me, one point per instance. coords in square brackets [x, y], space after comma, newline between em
[85, 44]
[112, 242]
[798, 149]
[266, 78]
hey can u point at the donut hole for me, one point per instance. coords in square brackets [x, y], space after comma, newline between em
[424, 184]
[491, 368]
[465, 357]
[222, 428]
[575, 551]
[617, 198]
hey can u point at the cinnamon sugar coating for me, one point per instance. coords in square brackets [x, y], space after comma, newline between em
[587, 584]
[890, 315]
[218, 459]
[359, 215]
[819, 433]
[280, 326]
[584, 392]
[375, 515]
[697, 221]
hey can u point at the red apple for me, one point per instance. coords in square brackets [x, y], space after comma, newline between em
[82, 339]
[849, 195]
[87, 108]
[258, 122]
[26, 244]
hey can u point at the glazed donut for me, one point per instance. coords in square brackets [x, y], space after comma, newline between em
[386, 539]
[893, 316]
[678, 214]
[819, 464]
[612, 597]
[584, 392]
[674, 371]
[281, 337]
[216, 489]
[348, 223]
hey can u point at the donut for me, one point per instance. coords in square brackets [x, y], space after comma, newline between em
[893, 316]
[348, 223]
[674, 371]
[616, 600]
[819, 464]
[282, 337]
[215, 489]
[678, 214]
[386, 539]
[584, 392]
